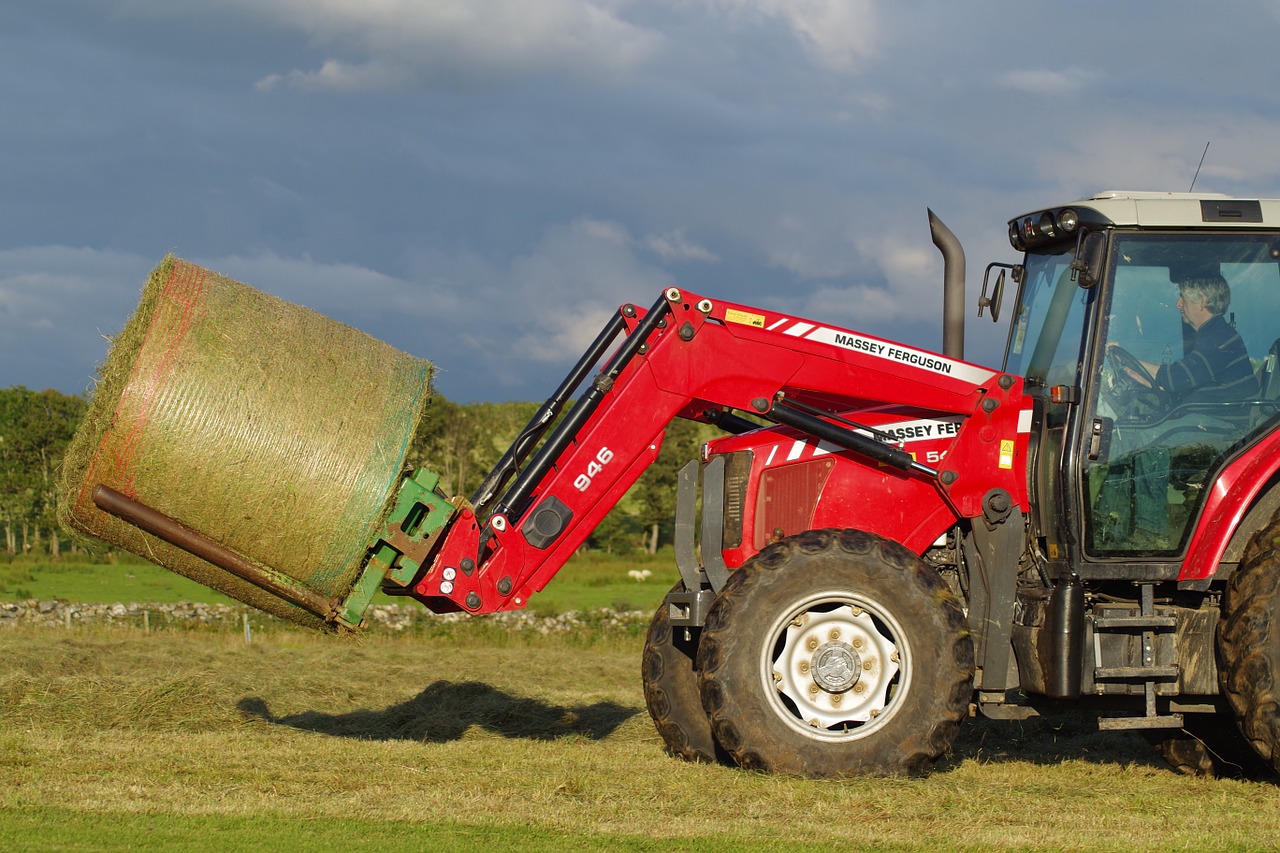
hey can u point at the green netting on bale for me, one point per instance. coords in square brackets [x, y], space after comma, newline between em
[277, 432]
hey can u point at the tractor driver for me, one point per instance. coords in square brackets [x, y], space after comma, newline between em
[1214, 368]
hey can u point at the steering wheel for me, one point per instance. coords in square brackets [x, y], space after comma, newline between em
[1129, 388]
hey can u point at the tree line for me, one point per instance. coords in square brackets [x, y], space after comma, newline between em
[461, 442]
[35, 428]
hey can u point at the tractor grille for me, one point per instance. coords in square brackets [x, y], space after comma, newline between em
[787, 499]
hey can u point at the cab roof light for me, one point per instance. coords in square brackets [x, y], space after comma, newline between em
[1015, 238]
[1045, 227]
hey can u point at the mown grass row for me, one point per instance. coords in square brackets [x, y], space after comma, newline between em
[113, 739]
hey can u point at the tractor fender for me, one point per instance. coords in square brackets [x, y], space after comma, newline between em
[1243, 497]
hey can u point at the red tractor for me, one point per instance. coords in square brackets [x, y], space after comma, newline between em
[888, 540]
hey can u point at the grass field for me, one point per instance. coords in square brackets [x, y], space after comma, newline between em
[588, 582]
[474, 737]
[114, 739]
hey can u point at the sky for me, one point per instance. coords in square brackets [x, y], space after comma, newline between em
[482, 182]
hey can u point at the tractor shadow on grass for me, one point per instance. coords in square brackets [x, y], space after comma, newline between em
[446, 710]
[1074, 735]
[1048, 740]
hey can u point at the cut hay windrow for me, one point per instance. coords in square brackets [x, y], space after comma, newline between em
[273, 431]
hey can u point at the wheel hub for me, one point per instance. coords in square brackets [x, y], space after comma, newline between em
[833, 668]
[836, 667]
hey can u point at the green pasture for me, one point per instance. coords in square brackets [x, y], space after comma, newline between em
[112, 739]
[589, 581]
[472, 735]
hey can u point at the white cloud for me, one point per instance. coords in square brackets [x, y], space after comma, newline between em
[479, 322]
[57, 305]
[382, 44]
[565, 289]
[1133, 152]
[350, 292]
[398, 41]
[339, 77]
[675, 246]
[841, 34]
[910, 289]
[1043, 81]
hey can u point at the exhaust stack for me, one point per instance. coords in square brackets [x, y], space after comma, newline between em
[952, 287]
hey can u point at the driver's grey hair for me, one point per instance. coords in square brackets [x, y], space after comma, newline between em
[1213, 291]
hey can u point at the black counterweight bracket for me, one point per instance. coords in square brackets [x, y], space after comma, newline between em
[704, 577]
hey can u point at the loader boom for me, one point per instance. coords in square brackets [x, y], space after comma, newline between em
[690, 357]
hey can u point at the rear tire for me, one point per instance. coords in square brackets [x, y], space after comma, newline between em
[671, 689]
[836, 653]
[1249, 643]
[1209, 746]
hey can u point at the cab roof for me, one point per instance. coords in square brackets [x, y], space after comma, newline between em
[1041, 229]
[1173, 210]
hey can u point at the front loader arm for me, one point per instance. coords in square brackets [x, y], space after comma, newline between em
[690, 357]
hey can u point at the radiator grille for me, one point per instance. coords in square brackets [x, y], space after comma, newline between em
[787, 499]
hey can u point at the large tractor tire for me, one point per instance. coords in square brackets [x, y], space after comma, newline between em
[836, 653]
[671, 689]
[1209, 746]
[1249, 643]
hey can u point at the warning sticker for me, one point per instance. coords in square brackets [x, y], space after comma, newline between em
[1006, 453]
[746, 318]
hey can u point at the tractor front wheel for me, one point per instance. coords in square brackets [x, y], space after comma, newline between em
[671, 688]
[836, 653]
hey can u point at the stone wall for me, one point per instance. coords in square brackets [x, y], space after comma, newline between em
[391, 618]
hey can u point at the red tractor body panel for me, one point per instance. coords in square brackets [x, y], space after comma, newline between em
[962, 423]
[1232, 492]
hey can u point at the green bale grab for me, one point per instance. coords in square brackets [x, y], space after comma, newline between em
[266, 427]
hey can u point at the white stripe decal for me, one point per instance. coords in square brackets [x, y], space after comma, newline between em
[778, 323]
[796, 450]
[895, 353]
[772, 451]
[799, 329]
[923, 429]
[1024, 420]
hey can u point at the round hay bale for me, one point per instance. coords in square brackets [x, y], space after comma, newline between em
[272, 430]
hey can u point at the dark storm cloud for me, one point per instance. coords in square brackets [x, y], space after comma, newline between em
[481, 181]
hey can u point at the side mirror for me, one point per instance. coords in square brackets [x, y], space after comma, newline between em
[1090, 252]
[996, 296]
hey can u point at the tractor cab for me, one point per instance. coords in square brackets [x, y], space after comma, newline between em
[1147, 328]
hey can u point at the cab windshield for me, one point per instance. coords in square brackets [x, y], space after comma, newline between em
[1047, 330]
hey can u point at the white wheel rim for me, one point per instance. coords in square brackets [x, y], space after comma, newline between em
[836, 666]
